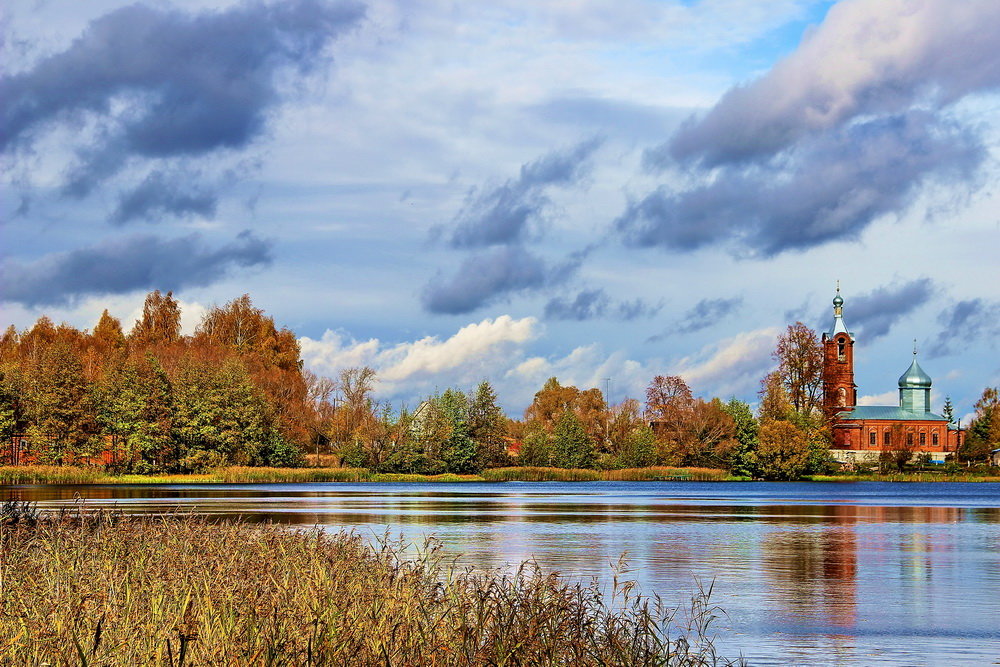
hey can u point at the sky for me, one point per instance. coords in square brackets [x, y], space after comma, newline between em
[453, 191]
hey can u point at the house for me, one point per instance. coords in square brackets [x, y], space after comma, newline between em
[861, 432]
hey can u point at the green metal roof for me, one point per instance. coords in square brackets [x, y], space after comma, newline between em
[888, 412]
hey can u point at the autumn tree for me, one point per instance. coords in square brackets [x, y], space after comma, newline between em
[782, 450]
[666, 397]
[61, 420]
[983, 434]
[160, 323]
[897, 453]
[800, 365]
[550, 402]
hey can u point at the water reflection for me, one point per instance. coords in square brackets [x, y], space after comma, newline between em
[807, 573]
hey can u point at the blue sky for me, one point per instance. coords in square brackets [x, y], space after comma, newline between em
[452, 191]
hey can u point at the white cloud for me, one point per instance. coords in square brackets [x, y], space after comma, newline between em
[475, 351]
[885, 398]
[731, 366]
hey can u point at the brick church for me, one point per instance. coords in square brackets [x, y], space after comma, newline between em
[862, 431]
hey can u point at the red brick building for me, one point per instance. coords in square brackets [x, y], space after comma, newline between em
[863, 431]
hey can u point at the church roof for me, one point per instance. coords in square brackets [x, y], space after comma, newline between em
[888, 412]
[914, 377]
[838, 316]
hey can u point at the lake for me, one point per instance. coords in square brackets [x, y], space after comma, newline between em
[840, 574]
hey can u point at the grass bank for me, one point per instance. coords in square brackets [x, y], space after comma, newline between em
[112, 590]
[247, 475]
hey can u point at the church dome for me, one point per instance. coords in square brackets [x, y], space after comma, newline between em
[838, 300]
[914, 376]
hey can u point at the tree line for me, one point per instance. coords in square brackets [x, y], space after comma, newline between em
[235, 393]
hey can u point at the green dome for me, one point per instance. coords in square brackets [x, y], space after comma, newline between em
[837, 300]
[914, 377]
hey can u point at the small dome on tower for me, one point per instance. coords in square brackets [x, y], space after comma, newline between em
[837, 300]
[914, 377]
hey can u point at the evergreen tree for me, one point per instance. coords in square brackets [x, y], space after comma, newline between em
[638, 449]
[458, 451]
[536, 448]
[488, 428]
[571, 448]
[744, 461]
[948, 412]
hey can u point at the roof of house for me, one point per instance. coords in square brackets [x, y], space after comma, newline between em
[888, 412]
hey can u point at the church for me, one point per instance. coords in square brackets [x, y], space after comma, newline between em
[861, 432]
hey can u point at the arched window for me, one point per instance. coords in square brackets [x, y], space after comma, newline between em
[841, 396]
[934, 438]
[841, 349]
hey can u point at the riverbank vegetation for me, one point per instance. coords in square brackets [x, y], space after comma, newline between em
[234, 394]
[106, 589]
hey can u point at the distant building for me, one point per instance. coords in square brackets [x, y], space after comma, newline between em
[863, 431]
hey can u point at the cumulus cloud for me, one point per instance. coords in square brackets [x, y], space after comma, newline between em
[127, 264]
[877, 311]
[474, 351]
[595, 303]
[965, 322]
[485, 278]
[504, 214]
[161, 83]
[867, 57]
[825, 188]
[731, 366]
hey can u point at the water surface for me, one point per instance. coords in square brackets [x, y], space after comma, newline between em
[843, 574]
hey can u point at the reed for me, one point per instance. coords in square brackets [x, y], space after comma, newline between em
[49, 475]
[539, 474]
[115, 590]
[908, 477]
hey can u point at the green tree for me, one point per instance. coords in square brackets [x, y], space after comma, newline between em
[571, 447]
[637, 449]
[536, 447]
[458, 450]
[983, 434]
[134, 407]
[488, 428]
[744, 460]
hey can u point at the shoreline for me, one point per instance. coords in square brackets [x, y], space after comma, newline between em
[26, 475]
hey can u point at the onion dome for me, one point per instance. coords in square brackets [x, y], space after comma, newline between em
[914, 377]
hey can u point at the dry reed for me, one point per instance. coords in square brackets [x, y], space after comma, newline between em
[106, 589]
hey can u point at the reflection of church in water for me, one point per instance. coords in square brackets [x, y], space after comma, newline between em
[864, 430]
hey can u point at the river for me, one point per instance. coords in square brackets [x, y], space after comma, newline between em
[838, 574]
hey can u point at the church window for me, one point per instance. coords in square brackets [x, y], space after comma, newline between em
[872, 438]
[909, 437]
[934, 438]
[841, 396]
[886, 440]
[841, 350]
[923, 439]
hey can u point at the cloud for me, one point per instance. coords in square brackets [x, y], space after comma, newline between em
[702, 315]
[965, 322]
[867, 57]
[123, 265]
[877, 311]
[731, 366]
[161, 194]
[826, 188]
[161, 83]
[503, 214]
[474, 350]
[595, 303]
[485, 278]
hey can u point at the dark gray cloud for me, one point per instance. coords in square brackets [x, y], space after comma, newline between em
[162, 194]
[826, 188]
[161, 83]
[965, 322]
[124, 265]
[702, 315]
[487, 277]
[595, 303]
[868, 57]
[505, 214]
[877, 311]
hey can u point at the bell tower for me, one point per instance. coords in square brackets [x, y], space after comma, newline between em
[839, 390]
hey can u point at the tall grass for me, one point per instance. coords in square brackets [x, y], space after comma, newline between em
[908, 477]
[49, 475]
[114, 590]
[656, 473]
